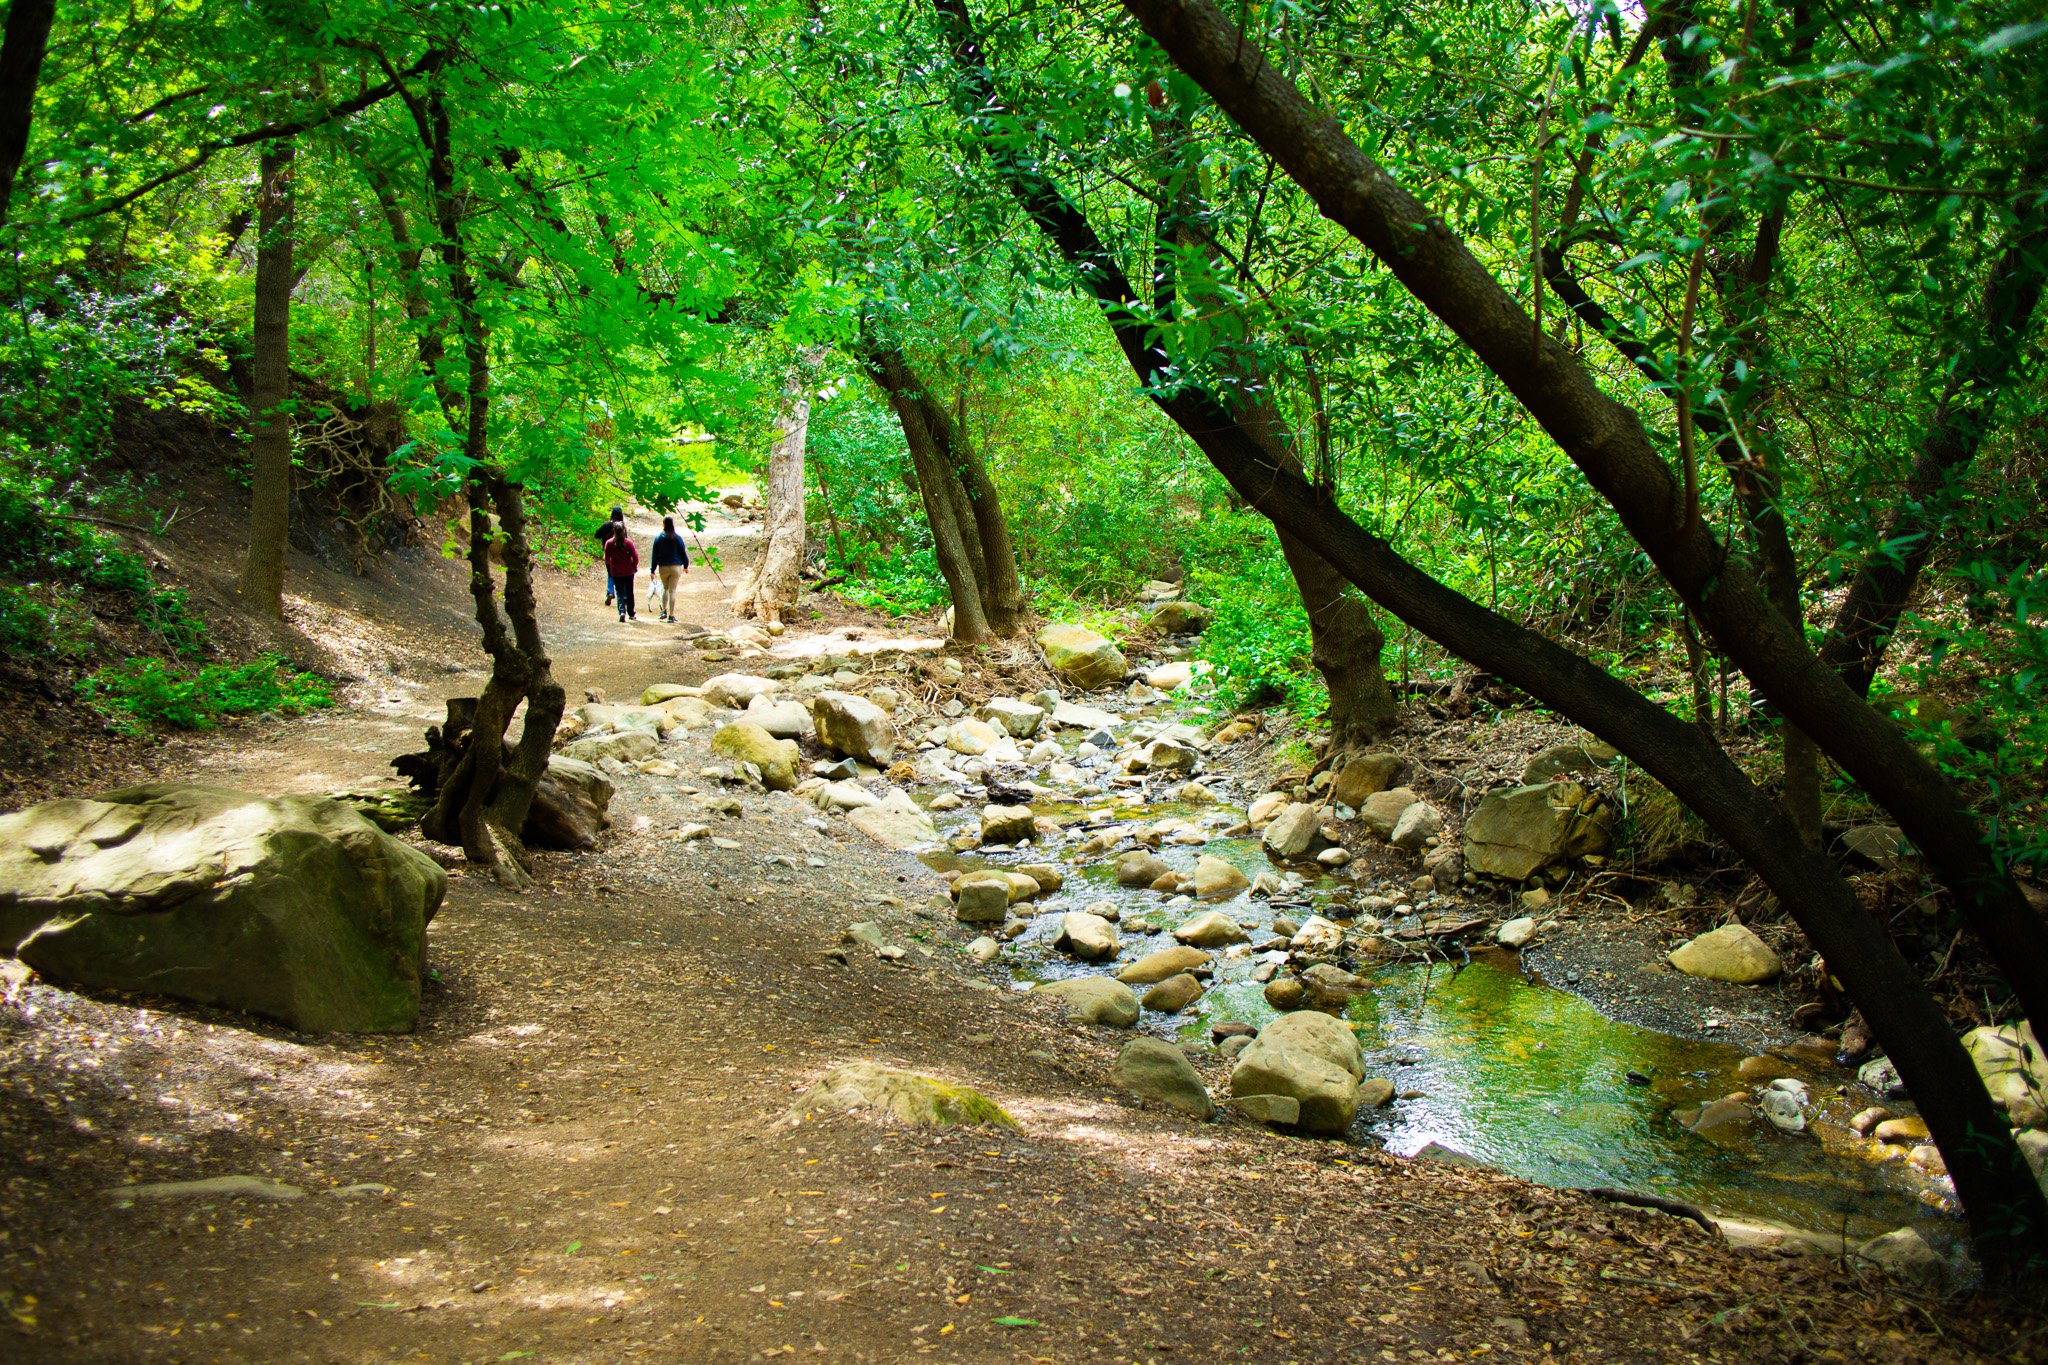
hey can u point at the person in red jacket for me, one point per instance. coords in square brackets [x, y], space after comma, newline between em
[622, 562]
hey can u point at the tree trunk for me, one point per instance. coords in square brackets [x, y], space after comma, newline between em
[770, 586]
[21, 67]
[1345, 642]
[956, 542]
[2007, 1210]
[1607, 441]
[1002, 590]
[270, 422]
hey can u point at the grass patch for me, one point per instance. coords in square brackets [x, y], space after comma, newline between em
[144, 692]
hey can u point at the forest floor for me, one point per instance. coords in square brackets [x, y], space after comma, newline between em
[585, 1152]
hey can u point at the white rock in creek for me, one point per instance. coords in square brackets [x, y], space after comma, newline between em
[1294, 831]
[1334, 857]
[946, 801]
[854, 726]
[982, 903]
[843, 796]
[1166, 756]
[1044, 752]
[735, 690]
[1262, 811]
[984, 949]
[782, 719]
[1216, 879]
[1020, 719]
[1088, 937]
[1094, 999]
[1168, 677]
[1318, 937]
[971, 737]
[1007, 824]
[895, 822]
[1212, 929]
[1082, 657]
[1517, 933]
[1783, 1109]
[1074, 716]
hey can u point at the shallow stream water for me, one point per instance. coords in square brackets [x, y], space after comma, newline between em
[1494, 1066]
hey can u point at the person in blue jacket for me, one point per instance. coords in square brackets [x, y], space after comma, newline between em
[669, 561]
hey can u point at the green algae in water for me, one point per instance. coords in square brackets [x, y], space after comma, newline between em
[1534, 1081]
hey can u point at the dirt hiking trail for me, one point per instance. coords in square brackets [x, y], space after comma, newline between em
[585, 1153]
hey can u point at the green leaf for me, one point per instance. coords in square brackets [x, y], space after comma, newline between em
[2011, 36]
[1017, 1322]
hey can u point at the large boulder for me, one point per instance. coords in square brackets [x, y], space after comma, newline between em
[922, 1101]
[1365, 775]
[1418, 824]
[292, 907]
[745, 742]
[1007, 824]
[1139, 868]
[1309, 1058]
[1382, 811]
[1729, 953]
[1516, 833]
[1295, 831]
[735, 690]
[895, 822]
[1154, 1070]
[627, 746]
[1081, 657]
[782, 719]
[854, 726]
[2010, 1061]
[1167, 962]
[1174, 994]
[1020, 718]
[1216, 879]
[1094, 999]
[1088, 937]
[569, 806]
[1211, 929]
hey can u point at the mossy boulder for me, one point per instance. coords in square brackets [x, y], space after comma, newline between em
[745, 742]
[1082, 658]
[922, 1101]
[295, 907]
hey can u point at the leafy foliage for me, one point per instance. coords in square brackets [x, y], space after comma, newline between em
[143, 692]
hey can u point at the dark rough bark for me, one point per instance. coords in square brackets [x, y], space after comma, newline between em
[1878, 594]
[1002, 589]
[270, 421]
[2007, 1209]
[1608, 443]
[942, 493]
[1345, 643]
[21, 68]
[487, 800]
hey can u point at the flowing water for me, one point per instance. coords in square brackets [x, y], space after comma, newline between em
[1499, 1068]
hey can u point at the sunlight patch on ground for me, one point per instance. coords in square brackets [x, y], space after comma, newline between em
[836, 642]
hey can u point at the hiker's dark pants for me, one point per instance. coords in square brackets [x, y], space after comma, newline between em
[623, 589]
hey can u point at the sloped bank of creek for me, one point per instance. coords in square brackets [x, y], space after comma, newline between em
[1119, 832]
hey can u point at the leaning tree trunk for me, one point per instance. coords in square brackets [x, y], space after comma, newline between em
[770, 586]
[270, 421]
[1002, 588]
[1345, 643]
[954, 540]
[2007, 1210]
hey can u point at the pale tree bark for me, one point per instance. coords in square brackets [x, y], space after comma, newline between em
[955, 542]
[270, 423]
[770, 586]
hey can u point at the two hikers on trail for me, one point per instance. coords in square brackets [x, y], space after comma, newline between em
[622, 562]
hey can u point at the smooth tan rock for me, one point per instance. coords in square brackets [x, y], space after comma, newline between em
[1730, 953]
[1167, 962]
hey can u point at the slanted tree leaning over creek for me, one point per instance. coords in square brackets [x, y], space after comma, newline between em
[2009, 1216]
